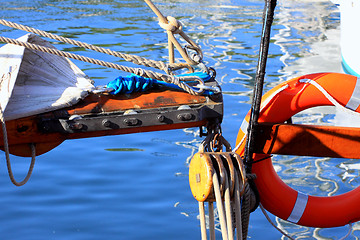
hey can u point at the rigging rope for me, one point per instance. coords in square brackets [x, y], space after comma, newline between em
[128, 57]
[140, 81]
[179, 81]
[219, 205]
[170, 24]
[173, 26]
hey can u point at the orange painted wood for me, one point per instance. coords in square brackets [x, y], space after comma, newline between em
[18, 141]
[154, 99]
[23, 131]
[308, 140]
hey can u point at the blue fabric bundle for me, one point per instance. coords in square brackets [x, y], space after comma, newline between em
[134, 83]
[130, 84]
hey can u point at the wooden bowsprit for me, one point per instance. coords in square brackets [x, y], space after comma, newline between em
[101, 115]
[163, 108]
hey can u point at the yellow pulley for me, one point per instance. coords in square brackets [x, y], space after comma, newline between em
[217, 176]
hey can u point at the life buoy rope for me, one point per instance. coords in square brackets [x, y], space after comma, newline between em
[280, 104]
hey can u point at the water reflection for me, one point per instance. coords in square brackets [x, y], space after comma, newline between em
[89, 180]
[311, 44]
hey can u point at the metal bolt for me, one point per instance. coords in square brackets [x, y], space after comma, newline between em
[185, 116]
[106, 123]
[76, 126]
[131, 121]
[161, 118]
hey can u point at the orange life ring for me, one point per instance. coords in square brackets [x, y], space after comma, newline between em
[279, 105]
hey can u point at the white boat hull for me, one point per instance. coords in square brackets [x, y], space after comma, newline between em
[350, 36]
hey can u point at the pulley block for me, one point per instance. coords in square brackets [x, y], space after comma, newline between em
[202, 168]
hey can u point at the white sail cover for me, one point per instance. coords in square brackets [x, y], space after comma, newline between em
[34, 82]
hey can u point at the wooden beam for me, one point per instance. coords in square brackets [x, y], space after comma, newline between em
[22, 132]
[308, 140]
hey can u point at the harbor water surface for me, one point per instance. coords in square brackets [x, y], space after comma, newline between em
[136, 186]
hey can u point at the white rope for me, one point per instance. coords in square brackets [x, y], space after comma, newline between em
[128, 57]
[211, 221]
[228, 209]
[348, 233]
[7, 154]
[202, 221]
[239, 235]
[220, 207]
[329, 97]
[173, 26]
[271, 222]
[291, 238]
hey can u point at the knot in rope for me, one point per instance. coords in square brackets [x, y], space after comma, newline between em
[173, 25]
[175, 80]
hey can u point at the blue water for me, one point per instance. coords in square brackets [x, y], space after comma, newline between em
[136, 186]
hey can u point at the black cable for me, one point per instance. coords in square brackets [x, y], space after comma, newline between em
[268, 17]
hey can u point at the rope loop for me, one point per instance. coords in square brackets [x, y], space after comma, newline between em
[7, 155]
[185, 81]
[173, 25]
